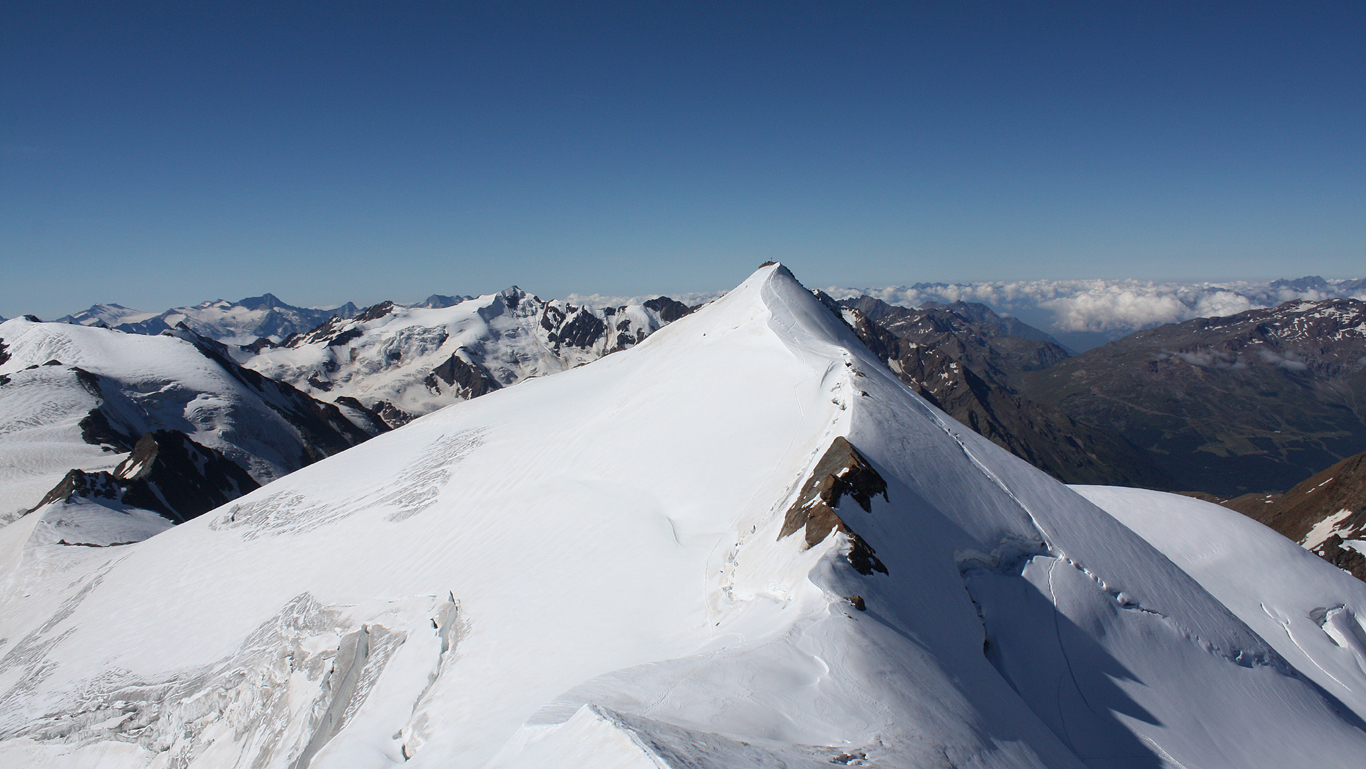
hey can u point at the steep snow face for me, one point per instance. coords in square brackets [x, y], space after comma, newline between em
[80, 397]
[665, 558]
[409, 361]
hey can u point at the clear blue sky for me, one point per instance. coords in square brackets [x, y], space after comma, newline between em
[160, 154]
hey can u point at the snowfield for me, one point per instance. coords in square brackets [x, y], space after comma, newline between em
[1308, 610]
[741, 543]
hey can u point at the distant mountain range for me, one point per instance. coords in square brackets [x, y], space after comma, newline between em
[240, 322]
[1013, 380]
[1077, 314]
[403, 362]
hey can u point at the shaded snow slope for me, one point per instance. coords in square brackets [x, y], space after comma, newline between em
[408, 361]
[663, 559]
[1312, 613]
[91, 523]
[79, 397]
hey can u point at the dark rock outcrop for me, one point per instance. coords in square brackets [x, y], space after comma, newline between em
[583, 329]
[841, 472]
[171, 474]
[470, 380]
[167, 473]
[669, 310]
[375, 312]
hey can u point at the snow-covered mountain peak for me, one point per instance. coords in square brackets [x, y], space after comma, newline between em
[82, 396]
[654, 560]
[401, 362]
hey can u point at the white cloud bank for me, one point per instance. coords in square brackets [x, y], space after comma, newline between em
[1114, 305]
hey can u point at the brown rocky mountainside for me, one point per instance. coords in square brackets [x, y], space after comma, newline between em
[1252, 402]
[1001, 348]
[961, 359]
[1326, 513]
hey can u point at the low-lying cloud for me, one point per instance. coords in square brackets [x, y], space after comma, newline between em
[1115, 305]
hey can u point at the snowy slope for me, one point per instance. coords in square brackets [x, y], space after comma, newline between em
[81, 397]
[409, 361]
[40, 432]
[742, 543]
[1312, 613]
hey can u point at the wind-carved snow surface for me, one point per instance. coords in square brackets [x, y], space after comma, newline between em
[593, 569]
[40, 434]
[415, 489]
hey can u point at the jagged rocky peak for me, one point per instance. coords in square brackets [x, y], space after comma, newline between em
[265, 301]
[375, 312]
[512, 296]
[669, 310]
[470, 380]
